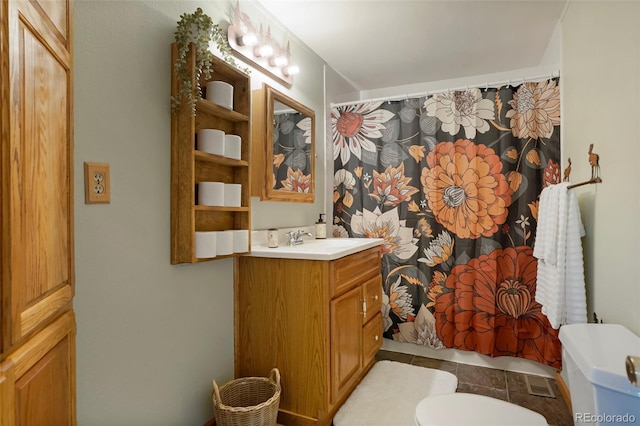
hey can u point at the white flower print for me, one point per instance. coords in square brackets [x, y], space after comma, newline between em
[353, 127]
[398, 239]
[400, 301]
[305, 125]
[461, 108]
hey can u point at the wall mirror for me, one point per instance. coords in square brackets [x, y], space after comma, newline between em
[283, 153]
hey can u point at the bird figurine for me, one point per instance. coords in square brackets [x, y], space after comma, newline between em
[593, 161]
[567, 172]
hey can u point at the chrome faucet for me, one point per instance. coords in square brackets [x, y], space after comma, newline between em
[295, 237]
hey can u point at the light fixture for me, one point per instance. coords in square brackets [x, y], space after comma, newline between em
[259, 49]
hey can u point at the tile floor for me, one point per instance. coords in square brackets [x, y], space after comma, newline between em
[505, 385]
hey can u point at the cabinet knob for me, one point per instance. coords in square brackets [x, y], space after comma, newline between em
[375, 297]
[376, 338]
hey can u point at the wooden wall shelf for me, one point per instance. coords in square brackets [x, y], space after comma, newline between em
[190, 166]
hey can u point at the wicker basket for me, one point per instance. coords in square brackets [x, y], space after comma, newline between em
[248, 401]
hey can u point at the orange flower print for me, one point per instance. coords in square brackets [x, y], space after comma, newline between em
[551, 174]
[296, 181]
[535, 110]
[278, 159]
[423, 228]
[488, 305]
[417, 152]
[435, 288]
[392, 187]
[465, 188]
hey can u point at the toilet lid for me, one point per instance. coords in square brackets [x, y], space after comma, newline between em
[470, 409]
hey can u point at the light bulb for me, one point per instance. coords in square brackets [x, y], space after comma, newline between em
[291, 70]
[249, 39]
[280, 61]
[264, 51]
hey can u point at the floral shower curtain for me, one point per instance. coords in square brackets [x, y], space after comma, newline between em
[452, 183]
[292, 151]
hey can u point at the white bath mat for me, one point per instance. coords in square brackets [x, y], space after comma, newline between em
[389, 393]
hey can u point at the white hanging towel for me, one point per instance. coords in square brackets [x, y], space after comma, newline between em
[558, 247]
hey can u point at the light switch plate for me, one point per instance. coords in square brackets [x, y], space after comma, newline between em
[97, 185]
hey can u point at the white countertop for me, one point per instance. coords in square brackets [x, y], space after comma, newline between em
[312, 249]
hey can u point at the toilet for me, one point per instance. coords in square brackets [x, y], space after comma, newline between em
[593, 367]
[469, 409]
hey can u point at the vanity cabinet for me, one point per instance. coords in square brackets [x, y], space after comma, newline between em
[190, 166]
[319, 322]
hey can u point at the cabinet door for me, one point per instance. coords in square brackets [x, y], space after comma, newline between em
[371, 339]
[37, 381]
[346, 341]
[372, 291]
[37, 193]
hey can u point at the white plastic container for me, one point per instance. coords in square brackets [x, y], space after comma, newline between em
[211, 141]
[233, 146]
[224, 243]
[220, 93]
[206, 244]
[232, 194]
[211, 194]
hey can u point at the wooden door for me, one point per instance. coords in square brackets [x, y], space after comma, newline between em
[37, 164]
[346, 341]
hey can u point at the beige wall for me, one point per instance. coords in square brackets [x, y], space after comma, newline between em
[601, 105]
[151, 336]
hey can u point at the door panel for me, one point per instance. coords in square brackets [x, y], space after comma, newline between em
[346, 341]
[37, 198]
[372, 290]
[43, 171]
[371, 339]
[38, 379]
[56, 15]
[42, 394]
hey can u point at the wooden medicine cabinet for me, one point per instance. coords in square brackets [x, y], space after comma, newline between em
[283, 152]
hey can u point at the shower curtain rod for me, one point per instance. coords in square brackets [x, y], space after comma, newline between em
[434, 92]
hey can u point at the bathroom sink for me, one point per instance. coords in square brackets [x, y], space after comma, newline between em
[327, 249]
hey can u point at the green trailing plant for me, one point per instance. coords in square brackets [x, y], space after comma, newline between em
[198, 28]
